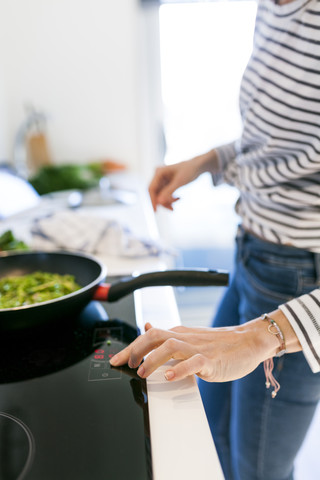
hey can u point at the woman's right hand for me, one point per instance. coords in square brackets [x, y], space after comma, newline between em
[167, 179]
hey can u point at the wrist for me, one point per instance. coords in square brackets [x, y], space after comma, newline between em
[207, 162]
[271, 335]
[291, 339]
[263, 343]
[267, 341]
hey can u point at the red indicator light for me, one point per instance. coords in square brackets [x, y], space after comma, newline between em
[99, 357]
[110, 355]
[99, 350]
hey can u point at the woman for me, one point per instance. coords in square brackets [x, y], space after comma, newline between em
[276, 167]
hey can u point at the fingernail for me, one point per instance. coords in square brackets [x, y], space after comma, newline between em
[141, 371]
[114, 360]
[169, 375]
[130, 364]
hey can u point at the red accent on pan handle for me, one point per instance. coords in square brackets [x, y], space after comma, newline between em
[102, 292]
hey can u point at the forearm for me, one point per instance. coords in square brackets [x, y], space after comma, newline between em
[207, 162]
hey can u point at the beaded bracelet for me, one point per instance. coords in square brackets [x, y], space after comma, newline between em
[268, 364]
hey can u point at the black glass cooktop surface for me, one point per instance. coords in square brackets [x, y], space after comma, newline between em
[65, 413]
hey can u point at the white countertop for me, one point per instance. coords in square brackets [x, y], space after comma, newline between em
[182, 446]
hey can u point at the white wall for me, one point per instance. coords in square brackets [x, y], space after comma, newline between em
[3, 116]
[79, 61]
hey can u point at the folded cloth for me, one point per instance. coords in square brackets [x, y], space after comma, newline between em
[69, 230]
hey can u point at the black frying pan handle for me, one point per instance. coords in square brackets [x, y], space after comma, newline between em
[176, 278]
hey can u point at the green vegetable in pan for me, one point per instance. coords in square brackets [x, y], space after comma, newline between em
[37, 287]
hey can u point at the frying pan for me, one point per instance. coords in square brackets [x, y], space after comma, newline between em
[89, 273]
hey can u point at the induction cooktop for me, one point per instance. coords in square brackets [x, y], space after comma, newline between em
[65, 413]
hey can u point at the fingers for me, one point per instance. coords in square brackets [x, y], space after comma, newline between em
[166, 190]
[195, 365]
[167, 201]
[160, 346]
[164, 198]
[172, 348]
[162, 187]
[121, 358]
[156, 185]
[134, 353]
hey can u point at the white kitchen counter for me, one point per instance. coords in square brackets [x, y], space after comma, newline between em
[182, 446]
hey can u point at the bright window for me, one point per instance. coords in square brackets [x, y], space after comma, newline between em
[204, 49]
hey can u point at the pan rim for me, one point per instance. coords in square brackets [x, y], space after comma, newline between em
[76, 254]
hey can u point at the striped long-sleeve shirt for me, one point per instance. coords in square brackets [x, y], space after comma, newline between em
[276, 162]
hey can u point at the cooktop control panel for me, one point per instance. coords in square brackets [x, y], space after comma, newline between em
[107, 342]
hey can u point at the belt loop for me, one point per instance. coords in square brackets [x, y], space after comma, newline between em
[317, 267]
[239, 235]
[240, 239]
[240, 232]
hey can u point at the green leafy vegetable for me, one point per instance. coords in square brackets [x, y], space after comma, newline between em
[9, 242]
[34, 288]
[54, 178]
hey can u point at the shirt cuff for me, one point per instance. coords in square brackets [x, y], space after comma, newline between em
[225, 154]
[303, 314]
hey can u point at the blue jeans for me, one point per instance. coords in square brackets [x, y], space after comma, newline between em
[257, 437]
